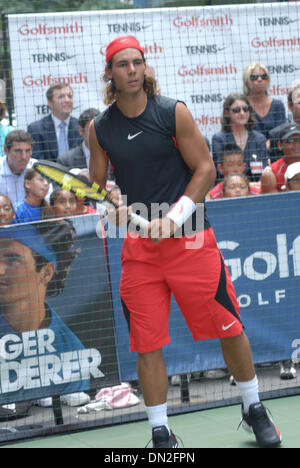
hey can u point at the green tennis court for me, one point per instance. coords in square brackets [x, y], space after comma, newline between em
[215, 428]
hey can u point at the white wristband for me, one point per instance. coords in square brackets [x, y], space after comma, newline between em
[182, 210]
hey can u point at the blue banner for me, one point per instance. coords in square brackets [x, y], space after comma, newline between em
[260, 241]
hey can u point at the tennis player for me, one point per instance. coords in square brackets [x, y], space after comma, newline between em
[160, 156]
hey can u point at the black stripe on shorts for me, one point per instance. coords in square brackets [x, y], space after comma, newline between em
[222, 296]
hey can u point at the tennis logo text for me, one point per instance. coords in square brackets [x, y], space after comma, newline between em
[30, 360]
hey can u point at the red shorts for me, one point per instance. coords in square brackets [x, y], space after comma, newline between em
[198, 278]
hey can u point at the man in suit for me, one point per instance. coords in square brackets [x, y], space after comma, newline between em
[80, 155]
[294, 107]
[58, 132]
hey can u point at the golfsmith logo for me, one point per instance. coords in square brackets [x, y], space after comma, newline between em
[198, 22]
[44, 29]
[46, 80]
[261, 265]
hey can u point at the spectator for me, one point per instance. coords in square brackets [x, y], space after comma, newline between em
[55, 134]
[83, 206]
[63, 203]
[237, 130]
[80, 155]
[18, 149]
[232, 162]
[4, 129]
[292, 177]
[289, 143]
[294, 107]
[7, 213]
[236, 185]
[268, 112]
[34, 207]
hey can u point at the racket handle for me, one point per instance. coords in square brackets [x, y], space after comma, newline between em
[134, 218]
[139, 221]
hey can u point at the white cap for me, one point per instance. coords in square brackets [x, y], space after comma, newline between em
[292, 170]
[2, 91]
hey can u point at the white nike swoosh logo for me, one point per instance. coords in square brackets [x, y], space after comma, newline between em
[228, 326]
[131, 137]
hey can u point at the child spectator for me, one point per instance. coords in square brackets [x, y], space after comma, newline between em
[7, 213]
[34, 207]
[83, 205]
[232, 161]
[63, 203]
[236, 185]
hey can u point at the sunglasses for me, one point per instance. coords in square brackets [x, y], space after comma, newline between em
[237, 110]
[264, 76]
[291, 140]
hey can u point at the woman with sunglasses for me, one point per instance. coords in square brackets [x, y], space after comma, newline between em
[268, 112]
[237, 129]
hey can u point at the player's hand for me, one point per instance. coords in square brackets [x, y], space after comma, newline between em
[161, 228]
[118, 216]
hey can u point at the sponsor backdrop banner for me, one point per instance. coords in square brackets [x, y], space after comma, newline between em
[260, 242]
[198, 54]
[73, 348]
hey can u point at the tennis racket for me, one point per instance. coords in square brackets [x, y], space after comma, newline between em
[57, 173]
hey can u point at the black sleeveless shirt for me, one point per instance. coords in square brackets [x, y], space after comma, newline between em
[148, 167]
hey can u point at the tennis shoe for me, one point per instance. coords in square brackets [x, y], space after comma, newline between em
[162, 438]
[287, 370]
[258, 422]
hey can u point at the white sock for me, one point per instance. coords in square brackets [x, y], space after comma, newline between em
[157, 415]
[249, 393]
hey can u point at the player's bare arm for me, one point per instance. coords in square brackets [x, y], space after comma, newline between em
[195, 152]
[98, 160]
[98, 174]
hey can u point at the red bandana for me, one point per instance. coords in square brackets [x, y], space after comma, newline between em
[126, 42]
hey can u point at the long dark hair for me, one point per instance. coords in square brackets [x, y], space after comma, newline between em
[60, 236]
[226, 121]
